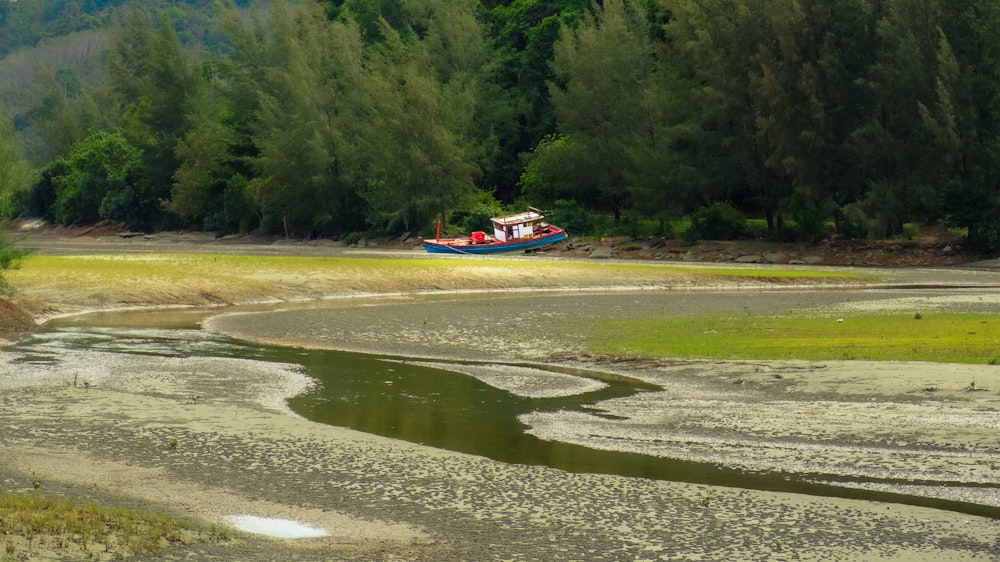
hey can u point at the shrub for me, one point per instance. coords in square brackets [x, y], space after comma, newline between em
[96, 181]
[718, 221]
[809, 219]
[238, 212]
[352, 238]
[985, 237]
[571, 216]
[10, 258]
[852, 221]
[474, 211]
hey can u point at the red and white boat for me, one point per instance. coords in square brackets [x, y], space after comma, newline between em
[511, 233]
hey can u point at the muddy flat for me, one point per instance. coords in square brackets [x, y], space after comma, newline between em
[212, 438]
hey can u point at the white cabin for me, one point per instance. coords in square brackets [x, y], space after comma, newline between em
[512, 227]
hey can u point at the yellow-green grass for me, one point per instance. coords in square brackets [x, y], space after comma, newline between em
[948, 338]
[174, 278]
[230, 265]
[68, 530]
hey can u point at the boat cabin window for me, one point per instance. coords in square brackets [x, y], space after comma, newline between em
[514, 227]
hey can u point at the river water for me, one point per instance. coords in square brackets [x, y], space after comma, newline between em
[431, 405]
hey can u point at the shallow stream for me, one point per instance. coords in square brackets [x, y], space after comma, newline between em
[437, 407]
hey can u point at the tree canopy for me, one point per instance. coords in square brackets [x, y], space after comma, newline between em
[327, 117]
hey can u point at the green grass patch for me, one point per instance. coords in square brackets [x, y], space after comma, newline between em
[62, 527]
[948, 338]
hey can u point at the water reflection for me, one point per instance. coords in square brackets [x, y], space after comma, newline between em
[439, 408]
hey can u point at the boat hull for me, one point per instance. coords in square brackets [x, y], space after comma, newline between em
[467, 246]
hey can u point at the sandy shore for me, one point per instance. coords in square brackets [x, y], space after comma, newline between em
[211, 438]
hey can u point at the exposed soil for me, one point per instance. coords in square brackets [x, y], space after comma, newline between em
[14, 320]
[935, 246]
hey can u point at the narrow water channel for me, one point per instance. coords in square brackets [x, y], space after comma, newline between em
[444, 409]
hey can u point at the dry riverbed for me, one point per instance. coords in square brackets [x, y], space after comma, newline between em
[211, 438]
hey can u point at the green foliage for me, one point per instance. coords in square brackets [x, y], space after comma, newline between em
[159, 90]
[352, 238]
[717, 221]
[203, 154]
[77, 529]
[852, 221]
[10, 258]
[985, 237]
[551, 173]
[475, 211]
[10, 255]
[809, 217]
[373, 15]
[66, 113]
[42, 198]
[348, 115]
[96, 181]
[301, 95]
[238, 211]
[524, 32]
[712, 46]
[603, 68]
[570, 215]
[14, 171]
[423, 105]
[909, 232]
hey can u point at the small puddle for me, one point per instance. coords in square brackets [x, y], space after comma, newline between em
[281, 528]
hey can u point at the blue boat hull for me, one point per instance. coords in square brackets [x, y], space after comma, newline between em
[464, 246]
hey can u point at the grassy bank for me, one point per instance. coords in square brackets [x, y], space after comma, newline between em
[68, 283]
[35, 526]
[947, 338]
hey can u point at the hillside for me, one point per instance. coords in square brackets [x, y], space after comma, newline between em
[29, 24]
[42, 41]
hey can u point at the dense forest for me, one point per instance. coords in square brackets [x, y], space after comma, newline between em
[317, 118]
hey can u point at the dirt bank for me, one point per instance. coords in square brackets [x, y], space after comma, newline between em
[935, 245]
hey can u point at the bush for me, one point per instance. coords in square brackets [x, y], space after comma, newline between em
[985, 237]
[238, 212]
[474, 211]
[571, 216]
[757, 229]
[852, 221]
[10, 258]
[636, 227]
[96, 181]
[13, 203]
[809, 220]
[718, 221]
[910, 231]
[352, 238]
[471, 221]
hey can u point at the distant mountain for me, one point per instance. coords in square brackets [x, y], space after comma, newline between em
[26, 23]
[69, 38]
